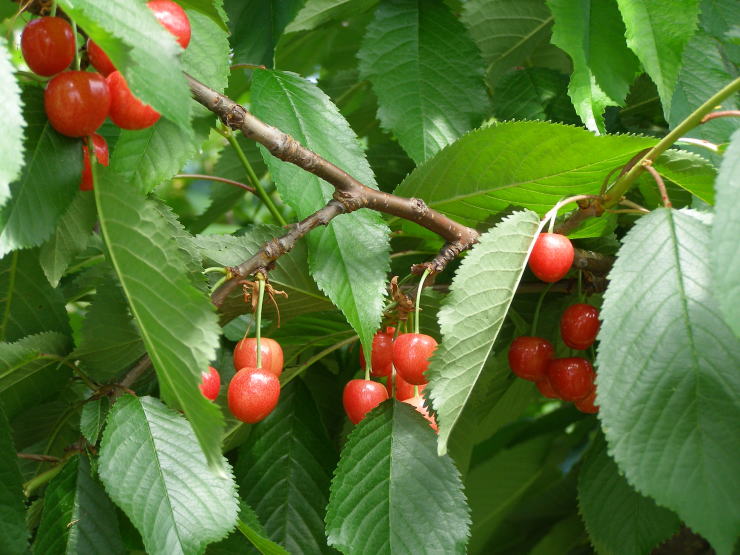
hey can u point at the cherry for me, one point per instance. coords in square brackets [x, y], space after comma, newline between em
[245, 354]
[404, 390]
[99, 59]
[382, 353]
[411, 352]
[528, 357]
[253, 394]
[48, 45]
[579, 325]
[76, 102]
[588, 405]
[210, 383]
[101, 155]
[127, 111]
[546, 389]
[362, 396]
[571, 378]
[418, 403]
[551, 257]
[173, 18]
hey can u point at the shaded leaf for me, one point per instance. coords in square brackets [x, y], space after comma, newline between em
[92, 418]
[212, 8]
[384, 499]
[152, 467]
[689, 171]
[30, 355]
[472, 314]
[406, 48]
[318, 12]
[11, 140]
[12, 501]
[667, 375]
[533, 93]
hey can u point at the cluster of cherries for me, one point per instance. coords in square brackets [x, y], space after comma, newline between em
[253, 391]
[409, 355]
[77, 102]
[570, 379]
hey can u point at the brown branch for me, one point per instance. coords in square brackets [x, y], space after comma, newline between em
[720, 114]
[586, 209]
[648, 165]
[594, 262]
[138, 370]
[39, 458]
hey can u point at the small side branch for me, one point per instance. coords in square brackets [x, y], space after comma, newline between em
[721, 114]
[659, 181]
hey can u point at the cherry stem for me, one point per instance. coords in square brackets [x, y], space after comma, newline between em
[216, 178]
[553, 212]
[258, 318]
[581, 297]
[77, 55]
[418, 299]
[720, 114]
[416, 391]
[536, 318]
[289, 375]
[648, 165]
[219, 269]
[246, 66]
[53, 11]
[699, 142]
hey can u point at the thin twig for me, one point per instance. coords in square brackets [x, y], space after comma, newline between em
[721, 114]
[215, 178]
[659, 181]
[39, 458]
[631, 204]
[136, 372]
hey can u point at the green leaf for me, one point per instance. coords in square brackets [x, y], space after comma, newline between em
[667, 375]
[506, 31]
[92, 418]
[153, 468]
[689, 171]
[207, 56]
[212, 8]
[564, 537]
[618, 519]
[176, 321]
[318, 12]
[249, 527]
[348, 258]
[529, 164]
[391, 493]
[290, 273]
[603, 67]
[724, 255]
[407, 47]
[256, 26]
[11, 140]
[657, 33]
[141, 49]
[284, 471]
[78, 516]
[472, 314]
[110, 341]
[48, 182]
[70, 237]
[28, 304]
[29, 355]
[12, 501]
[532, 93]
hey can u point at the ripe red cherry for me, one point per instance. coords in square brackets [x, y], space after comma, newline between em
[546, 389]
[411, 352]
[418, 403]
[528, 357]
[99, 59]
[210, 383]
[382, 354]
[571, 378]
[551, 257]
[404, 390]
[253, 394]
[173, 18]
[101, 155]
[48, 45]
[588, 405]
[76, 102]
[579, 325]
[362, 396]
[245, 354]
[127, 111]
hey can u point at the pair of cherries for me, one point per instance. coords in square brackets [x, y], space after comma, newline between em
[253, 392]
[409, 353]
[569, 379]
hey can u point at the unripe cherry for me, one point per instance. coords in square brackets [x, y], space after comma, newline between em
[411, 352]
[571, 378]
[382, 353]
[579, 325]
[210, 383]
[551, 257]
[48, 45]
[360, 397]
[529, 356]
[253, 394]
[245, 354]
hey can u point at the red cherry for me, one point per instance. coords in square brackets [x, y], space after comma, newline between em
[245, 354]
[528, 357]
[411, 352]
[551, 257]
[99, 59]
[571, 378]
[127, 111]
[418, 403]
[382, 354]
[546, 389]
[173, 18]
[362, 396]
[48, 45]
[210, 383]
[579, 325]
[76, 102]
[588, 405]
[253, 394]
[101, 155]
[404, 390]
